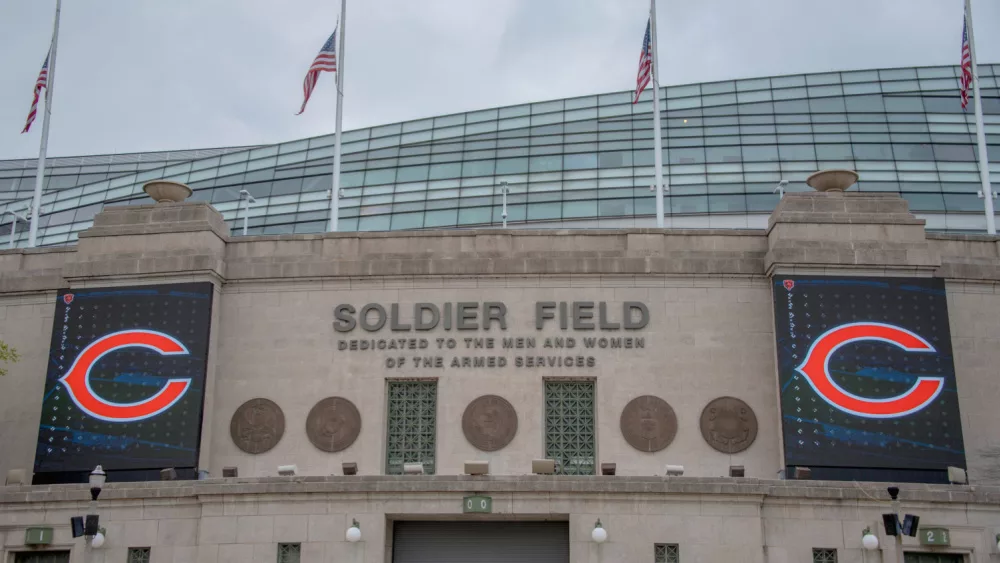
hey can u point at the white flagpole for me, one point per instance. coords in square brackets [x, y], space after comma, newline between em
[36, 200]
[335, 194]
[984, 165]
[657, 141]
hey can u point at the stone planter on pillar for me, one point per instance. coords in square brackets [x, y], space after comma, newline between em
[165, 191]
[832, 180]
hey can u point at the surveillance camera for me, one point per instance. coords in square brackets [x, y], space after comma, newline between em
[783, 183]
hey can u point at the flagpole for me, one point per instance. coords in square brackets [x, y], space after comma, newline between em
[335, 194]
[984, 166]
[657, 140]
[36, 200]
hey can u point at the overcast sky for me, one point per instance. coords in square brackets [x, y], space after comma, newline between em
[144, 75]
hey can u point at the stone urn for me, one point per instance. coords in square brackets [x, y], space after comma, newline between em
[165, 191]
[832, 180]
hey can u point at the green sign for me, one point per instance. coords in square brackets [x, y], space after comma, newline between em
[38, 536]
[477, 504]
[935, 536]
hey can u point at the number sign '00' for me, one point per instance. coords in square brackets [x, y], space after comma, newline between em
[935, 536]
[478, 504]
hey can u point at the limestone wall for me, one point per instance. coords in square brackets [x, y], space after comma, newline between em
[710, 332]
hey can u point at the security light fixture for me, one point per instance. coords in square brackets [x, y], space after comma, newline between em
[957, 476]
[608, 468]
[675, 470]
[15, 477]
[543, 466]
[350, 468]
[780, 190]
[247, 200]
[477, 467]
[287, 470]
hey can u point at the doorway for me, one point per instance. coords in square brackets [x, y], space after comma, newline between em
[482, 542]
[934, 558]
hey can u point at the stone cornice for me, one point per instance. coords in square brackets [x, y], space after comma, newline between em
[390, 486]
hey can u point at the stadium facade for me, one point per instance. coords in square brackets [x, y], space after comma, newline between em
[478, 394]
[580, 162]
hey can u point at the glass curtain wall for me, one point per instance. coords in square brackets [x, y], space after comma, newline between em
[580, 160]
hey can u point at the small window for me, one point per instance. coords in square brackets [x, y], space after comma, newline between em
[138, 554]
[289, 552]
[823, 555]
[666, 553]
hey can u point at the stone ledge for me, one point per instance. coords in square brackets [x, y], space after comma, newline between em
[844, 218]
[526, 484]
[742, 263]
[153, 229]
[501, 232]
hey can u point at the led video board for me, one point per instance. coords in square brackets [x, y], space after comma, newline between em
[126, 378]
[866, 373]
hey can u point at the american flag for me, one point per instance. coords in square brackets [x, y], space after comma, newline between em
[325, 60]
[645, 65]
[965, 82]
[41, 82]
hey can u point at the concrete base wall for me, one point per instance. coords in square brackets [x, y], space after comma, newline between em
[745, 520]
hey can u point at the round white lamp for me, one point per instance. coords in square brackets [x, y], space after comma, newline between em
[354, 532]
[869, 540]
[98, 540]
[599, 534]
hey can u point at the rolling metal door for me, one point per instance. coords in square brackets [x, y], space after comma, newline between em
[480, 542]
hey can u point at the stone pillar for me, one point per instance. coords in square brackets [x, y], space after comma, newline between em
[847, 233]
[145, 241]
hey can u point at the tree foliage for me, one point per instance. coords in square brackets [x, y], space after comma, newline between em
[8, 355]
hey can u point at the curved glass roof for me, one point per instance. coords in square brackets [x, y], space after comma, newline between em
[578, 162]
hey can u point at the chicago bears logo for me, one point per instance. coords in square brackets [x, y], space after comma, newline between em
[815, 369]
[68, 298]
[77, 379]
[789, 284]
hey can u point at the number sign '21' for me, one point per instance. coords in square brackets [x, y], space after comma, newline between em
[935, 536]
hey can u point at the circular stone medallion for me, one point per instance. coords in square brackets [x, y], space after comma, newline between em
[333, 424]
[648, 423]
[257, 426]
[728, 425]
[489, 423]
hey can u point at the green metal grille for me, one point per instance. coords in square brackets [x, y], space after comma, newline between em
[412, 425]
[666, 553]
[289, 553]
[569, 426]
[139, 554]
[822, 555]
